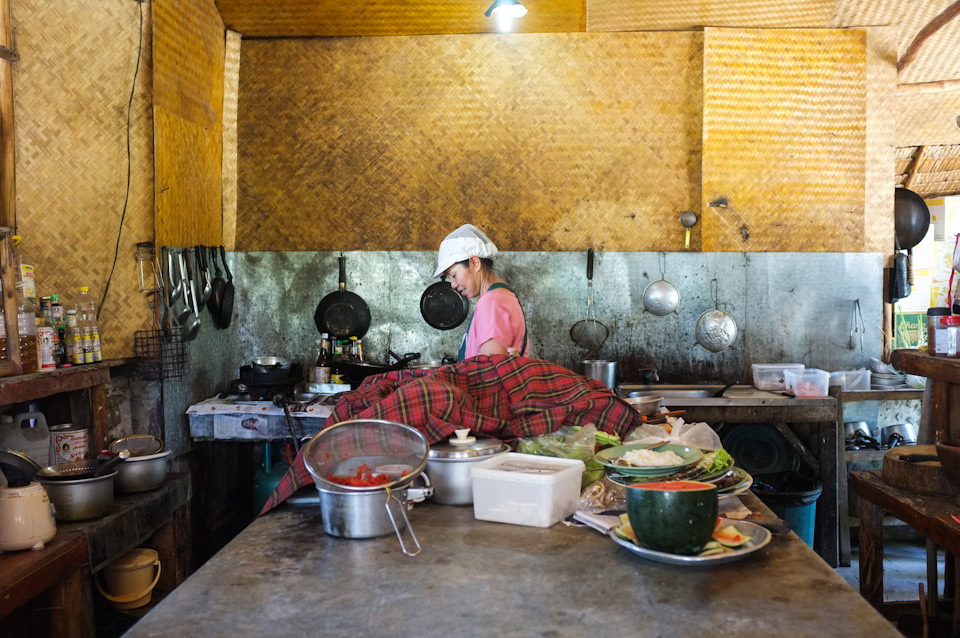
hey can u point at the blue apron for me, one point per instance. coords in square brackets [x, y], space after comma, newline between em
[461, 355]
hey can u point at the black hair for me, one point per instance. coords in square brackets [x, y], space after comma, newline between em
[486, 261]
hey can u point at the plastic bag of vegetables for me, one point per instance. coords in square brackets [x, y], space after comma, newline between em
[569, 443]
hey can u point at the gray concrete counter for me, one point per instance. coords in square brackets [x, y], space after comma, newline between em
[283, 576]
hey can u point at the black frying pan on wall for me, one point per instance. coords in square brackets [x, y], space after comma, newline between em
[342, 313]
[443, 307]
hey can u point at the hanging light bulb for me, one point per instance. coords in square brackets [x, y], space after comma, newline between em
[511, 8]
[505, 12]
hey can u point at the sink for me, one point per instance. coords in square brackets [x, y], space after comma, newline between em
[667, 390]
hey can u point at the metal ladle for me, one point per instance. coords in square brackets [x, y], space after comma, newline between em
[689, 219]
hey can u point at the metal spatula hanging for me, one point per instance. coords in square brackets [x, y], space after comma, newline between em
[589, 333]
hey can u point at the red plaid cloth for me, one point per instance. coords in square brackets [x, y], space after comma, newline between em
[503, 396]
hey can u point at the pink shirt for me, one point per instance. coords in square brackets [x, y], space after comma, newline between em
[497, 316]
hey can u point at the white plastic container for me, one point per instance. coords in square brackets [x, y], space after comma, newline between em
[525, 489]
[851, 380]
[769, 376]
[809, 382]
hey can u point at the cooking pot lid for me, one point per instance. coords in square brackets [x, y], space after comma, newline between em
[484, 446]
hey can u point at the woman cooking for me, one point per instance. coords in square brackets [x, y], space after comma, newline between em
[497, 325]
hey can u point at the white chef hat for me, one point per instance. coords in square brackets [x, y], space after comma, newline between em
[462, 244]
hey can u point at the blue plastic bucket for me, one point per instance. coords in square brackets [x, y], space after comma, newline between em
[793, 498]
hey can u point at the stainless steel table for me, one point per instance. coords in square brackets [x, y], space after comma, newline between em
[283, 576]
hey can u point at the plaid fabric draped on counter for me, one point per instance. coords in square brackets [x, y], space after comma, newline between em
[502, 396]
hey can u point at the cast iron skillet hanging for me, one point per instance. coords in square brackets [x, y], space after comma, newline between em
[911, 221]
[342, 313]
[443, 307]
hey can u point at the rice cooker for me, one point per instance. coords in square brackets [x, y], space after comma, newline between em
[26, 514]
[448, 465]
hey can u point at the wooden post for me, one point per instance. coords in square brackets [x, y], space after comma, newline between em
[8, 196]
[871, 554]
[8, 193]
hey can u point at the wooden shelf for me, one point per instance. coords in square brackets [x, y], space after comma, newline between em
[882, 395]
[28, 387]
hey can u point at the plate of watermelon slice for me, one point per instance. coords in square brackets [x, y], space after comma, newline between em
[732, 540]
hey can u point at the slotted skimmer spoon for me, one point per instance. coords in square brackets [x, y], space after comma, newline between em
[589, 333]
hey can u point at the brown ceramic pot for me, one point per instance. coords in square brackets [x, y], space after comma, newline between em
[949, 453]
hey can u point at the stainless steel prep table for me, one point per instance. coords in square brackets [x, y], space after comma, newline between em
[282, 576]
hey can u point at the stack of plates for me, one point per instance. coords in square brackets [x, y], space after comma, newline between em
[888, 381]
[729, 479]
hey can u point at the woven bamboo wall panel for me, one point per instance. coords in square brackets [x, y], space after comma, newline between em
[674, 15]
[188, 113]
[880, 139]
[231, 96]
[554, 142]
[187, 182]
[784, 140]
[71, 88]
[928, 119]
[188, 60]
[939, 57]
[299, 18]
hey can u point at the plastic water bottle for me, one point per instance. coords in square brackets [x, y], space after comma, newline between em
[87, 322]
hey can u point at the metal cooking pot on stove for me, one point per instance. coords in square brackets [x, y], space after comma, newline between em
[266, 364]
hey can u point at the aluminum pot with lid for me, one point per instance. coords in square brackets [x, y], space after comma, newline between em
[448, 465]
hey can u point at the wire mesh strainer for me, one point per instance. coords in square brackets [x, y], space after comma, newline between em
[387, 448]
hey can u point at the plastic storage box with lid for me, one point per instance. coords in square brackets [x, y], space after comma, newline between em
[524, 489]
[809, 382]
[851, 380]
[769, 376]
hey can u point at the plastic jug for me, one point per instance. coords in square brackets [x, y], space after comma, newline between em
[17, 434]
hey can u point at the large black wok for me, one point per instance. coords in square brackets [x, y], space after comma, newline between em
[342, 313]
[911, 222]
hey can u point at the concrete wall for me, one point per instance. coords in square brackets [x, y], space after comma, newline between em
[790, 307]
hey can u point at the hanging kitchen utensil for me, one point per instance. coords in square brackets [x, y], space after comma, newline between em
[147, 273]
[203, 276]
[215, 302]
[226, 300]
[342, 313]
[442, 307]
[689, 219]
[181, 308]
[188, 320]
[856, 326]
[174, 289]
[911, 221]
[899, 280]
[716, 330]
[589, 333]
[661, 297]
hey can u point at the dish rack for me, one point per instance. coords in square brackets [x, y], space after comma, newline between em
[159, 354]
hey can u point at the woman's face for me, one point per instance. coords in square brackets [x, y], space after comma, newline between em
[465, 279]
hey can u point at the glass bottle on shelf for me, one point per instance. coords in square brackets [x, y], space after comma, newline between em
[321, 367]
